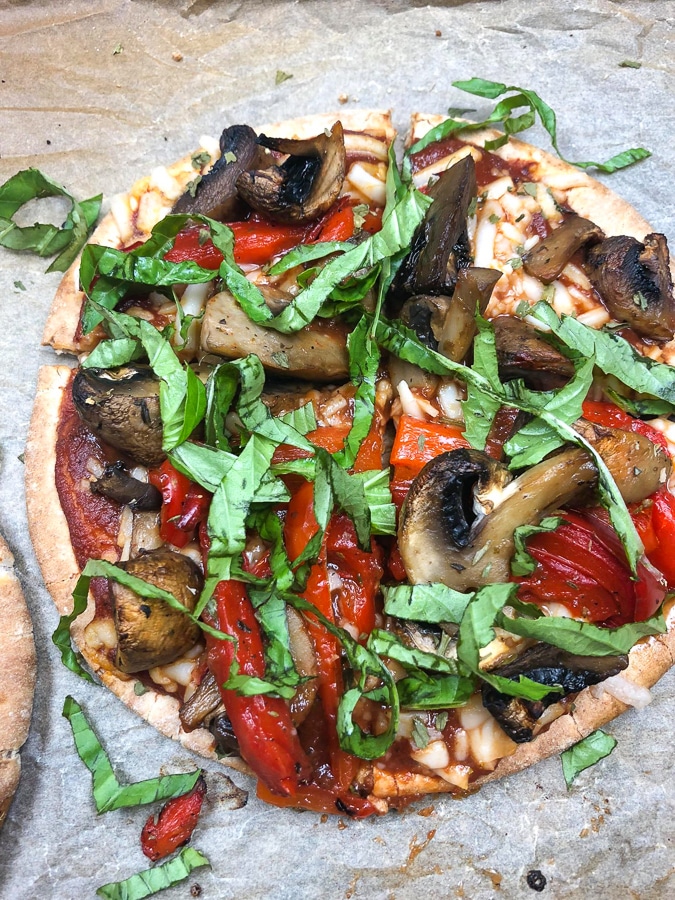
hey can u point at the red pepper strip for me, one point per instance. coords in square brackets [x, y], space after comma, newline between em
[175, 823]
[267, 738]
[663, 520]
[189, 245]
[185, 504]
[610, 415]
[300, 526]
[332, 438]
[400, 484]
[373, 221]
[417, 442]
[336, 225]
[257, 240]
[360, 573]
[395, 563]
[581, 565]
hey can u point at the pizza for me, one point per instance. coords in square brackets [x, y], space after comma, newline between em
[365, 469]
[17, 681]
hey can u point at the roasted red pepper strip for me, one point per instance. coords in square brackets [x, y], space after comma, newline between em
[663, 520]
[581, 565]
[417, 442]
[300, 526]
[185, 504]
[360, 573]
[267, 738]
[612, 416]
[174, 826]
[193, 244]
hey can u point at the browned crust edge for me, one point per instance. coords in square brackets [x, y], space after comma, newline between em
[17, 677]
[50, 536]
[63, 318]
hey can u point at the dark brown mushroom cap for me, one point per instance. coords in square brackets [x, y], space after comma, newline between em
[425, 314]
[548, 258]
[471, 295]
[216, 193]
[440, 246]
[149, 632]
[117, 484]
[305, 185]
[550, 666]
[121, 406]
[522, 352]
[634, 282]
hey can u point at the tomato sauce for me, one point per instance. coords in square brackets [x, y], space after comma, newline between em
[93, 520]
[488, 168]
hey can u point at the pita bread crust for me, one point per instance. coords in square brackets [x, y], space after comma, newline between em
[62, 322]
[17, 677]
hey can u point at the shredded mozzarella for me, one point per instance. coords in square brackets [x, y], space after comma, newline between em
[435, 755]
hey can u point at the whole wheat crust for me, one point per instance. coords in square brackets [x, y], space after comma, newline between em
[17, 677]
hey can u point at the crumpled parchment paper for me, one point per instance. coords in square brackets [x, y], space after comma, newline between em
[96, 95]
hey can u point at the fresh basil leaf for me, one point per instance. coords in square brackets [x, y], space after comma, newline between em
[613, 355]
[582, 638]
[385, 643]
[156, 879]
[221, 388]
[349, 494]
[109, 794]
[109, 354]
[640, 408]
[527, 98]
[308, 253]
[102, 568]
[302, 419]
[253, 686]
[61, 637]
[270, 610]
[364, 359]
[233, 496]
[586, 753]
[480, 408]
[419, 690]
[45, 239]
[324, 501]
[522, 563]
[377, 495]
[476, 631]
[536, 439]
[433, 603]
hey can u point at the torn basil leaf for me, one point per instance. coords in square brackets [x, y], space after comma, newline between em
[61, 637]
[432, 603]
[109, 794]
[45, 239]
[158, 878]
[586, 753]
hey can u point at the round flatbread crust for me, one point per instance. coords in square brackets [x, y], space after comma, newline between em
[17, 677]
[648, 661]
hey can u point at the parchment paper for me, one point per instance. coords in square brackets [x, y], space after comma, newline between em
[95, 95]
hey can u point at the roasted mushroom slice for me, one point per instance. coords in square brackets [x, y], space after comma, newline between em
[121, 406]
[458, 519]
[545, 665]
[440, 246]
[149, 632]
[117, 484]
[305, 185]
[201, 704]
[424, 314]
[523, 353]
[215, 194]
[318, 352]
[635, 284]
[471, 295]
[548, 258]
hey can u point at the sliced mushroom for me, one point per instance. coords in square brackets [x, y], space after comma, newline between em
[545, 665]
[458, 519]
[117, 484]
[440, 246]
[548, 258]
[425, 314]
[201, 704]
[522, 352]
[222, 730]
[149, 632]
[121, 406]
[318, 352]
[471, 295]
[215, 194]
[635, 284]
[305, 185]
